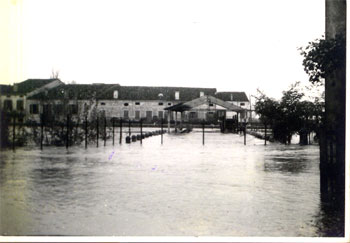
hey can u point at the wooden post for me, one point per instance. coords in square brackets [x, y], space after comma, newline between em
[169, 121]
[245, 132]
[175, 121]
[67, 135]
[265, 133]
[97, 131]
[42, 131]
[13, 133]
[203, 131]
[86, 132]
[161, 135]
[141, 131]
[113, 129]
[120, 130]
[105, 133]
[129, 128]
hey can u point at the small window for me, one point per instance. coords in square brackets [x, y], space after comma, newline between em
[242, 104]
[126, 104]
[21, 96]
[160, 114]
[8, 105]
[177, 95]
[169, 103]
[115, 94]
[137, 103]
[137, 114]
[34, 109]
[160, 103]
[58, 109]
[20, 105]
[211, 104]
[126, 114]
[73, 109]
[201, 94]
[103, 103]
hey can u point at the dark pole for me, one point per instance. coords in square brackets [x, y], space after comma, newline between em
[42, 132]
[13, 133]
[67, 135]
[113, 129]
[121, 130]
[245, 132]
[141, 131]
[129, 128]
[161, 135]
[86, 132]
[265, 133]
[203, 131]
[105, 134]
[97, 130]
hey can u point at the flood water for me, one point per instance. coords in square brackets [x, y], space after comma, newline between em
[180, 188]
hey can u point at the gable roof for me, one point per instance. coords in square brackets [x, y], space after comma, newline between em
[105, 92]
[25, 87]
[185, 106]
[232, 96]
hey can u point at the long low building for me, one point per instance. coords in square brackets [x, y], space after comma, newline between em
[54, 98]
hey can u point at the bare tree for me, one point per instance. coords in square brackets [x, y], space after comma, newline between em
[55, 74]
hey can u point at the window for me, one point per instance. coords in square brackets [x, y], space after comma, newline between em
[160, 114]
[160, 103]
[34, 109]
[169, 103]
[73, 109]
[137, 114]
[242, 104]
[201, 94]
[103, 103]
[126, 104]
[177, 95]
[8, 105]
[47, 109]
[58, 109]
[137, 103]
[211, 104]
[126, 114]
[115, 94]
[20, 105]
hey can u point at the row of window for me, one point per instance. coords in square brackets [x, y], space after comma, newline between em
[160, 95]
[137, 103]
[9, 107]
[52, 109]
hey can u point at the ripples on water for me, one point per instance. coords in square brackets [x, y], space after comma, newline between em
[179, 188]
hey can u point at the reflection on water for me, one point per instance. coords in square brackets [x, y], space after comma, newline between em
[178, 188]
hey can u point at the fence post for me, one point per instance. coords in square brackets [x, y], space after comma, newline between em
[161, 131]
[105, 134]
[121, 130]
[203, 131]
[97, 130]
[42, 131]
[129, 128]
[86, 132]
[13, 132]
[245, 132]
[67, 135]
[113, 129]
[141, 131]
[265, 126]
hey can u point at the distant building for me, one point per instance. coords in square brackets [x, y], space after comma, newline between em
[51, 96]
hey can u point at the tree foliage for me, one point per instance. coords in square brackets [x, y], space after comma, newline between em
[322, 57]
[289, 115]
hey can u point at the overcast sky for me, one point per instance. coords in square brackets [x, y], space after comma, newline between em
[236, 45]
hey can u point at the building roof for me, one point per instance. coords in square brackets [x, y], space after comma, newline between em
[24, 87]
[185, 106]
[232, 96]
[106, 91]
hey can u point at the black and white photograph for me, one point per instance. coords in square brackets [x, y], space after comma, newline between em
[173, 120]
